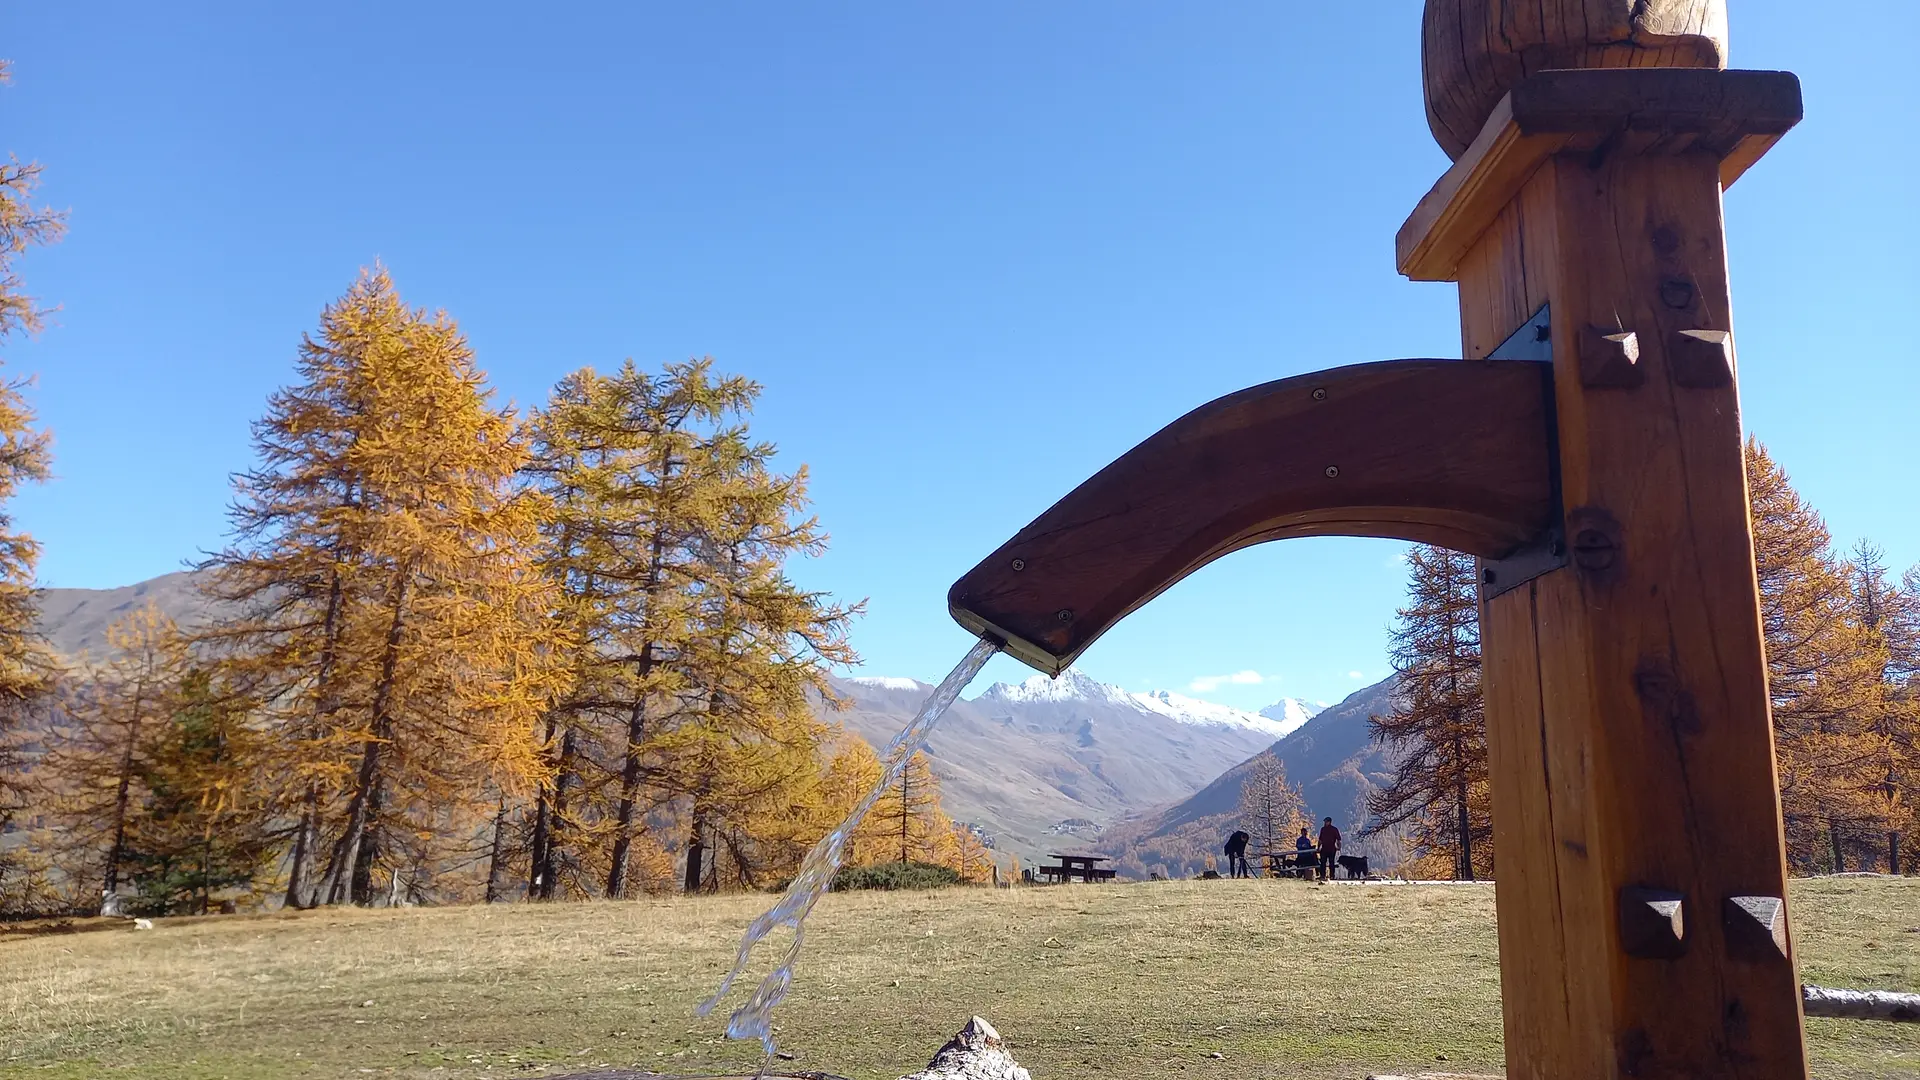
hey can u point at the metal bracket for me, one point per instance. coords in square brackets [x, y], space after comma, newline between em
[1548, 551]
[1531, 342]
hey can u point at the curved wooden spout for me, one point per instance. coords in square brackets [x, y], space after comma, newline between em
[1449, 452]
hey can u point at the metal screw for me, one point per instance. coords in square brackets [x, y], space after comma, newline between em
[1019, 565]
[1065, 615]
[1333, 471]
[1592, 549]
[1319, 393]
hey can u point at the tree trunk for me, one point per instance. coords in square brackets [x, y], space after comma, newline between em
[361, 889]
[1839, 856]
[695, 858]
[557, 818]
[629, 799]
[1893, 852]
[346, 851]
[1463, 818]
[537, 847]
[305, 838]
[122, 797]
[630, 773]
[496, 859]
[906, 810]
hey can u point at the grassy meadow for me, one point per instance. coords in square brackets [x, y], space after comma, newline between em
[1139, 981]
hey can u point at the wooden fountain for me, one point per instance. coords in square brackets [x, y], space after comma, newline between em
[1588, 450]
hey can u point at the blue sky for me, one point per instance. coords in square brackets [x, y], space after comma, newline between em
[973, 252]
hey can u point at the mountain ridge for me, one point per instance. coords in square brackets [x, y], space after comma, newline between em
[1039, 764]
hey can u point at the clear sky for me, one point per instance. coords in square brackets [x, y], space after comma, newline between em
[973, 251]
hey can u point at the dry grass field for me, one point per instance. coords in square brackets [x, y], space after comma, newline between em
[1138, 981]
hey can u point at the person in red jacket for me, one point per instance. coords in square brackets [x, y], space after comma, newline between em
[1329, 847]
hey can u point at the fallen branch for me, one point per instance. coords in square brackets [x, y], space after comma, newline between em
[1860, 1004]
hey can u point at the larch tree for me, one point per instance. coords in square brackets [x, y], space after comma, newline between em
[693, 657]
[1887, 613]
[1436, 730]
[1270, 807]
[1824, 670]
[116, 714]
[746, 750]
[28, 670]
[388, 608]
[972, 858]
[910, 818]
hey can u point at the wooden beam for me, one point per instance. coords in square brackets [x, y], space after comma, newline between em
[1734, 115]
[1629, 737]
[1438, 451]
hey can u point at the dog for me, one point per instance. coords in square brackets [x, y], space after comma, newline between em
[1354, 865]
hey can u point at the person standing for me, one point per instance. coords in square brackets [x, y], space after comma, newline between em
[1237, 854]
[1329, 847]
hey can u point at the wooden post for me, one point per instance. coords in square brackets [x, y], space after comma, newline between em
[1641, 871]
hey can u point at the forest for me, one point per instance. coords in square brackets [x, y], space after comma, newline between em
[461, 654]
[1843, 671]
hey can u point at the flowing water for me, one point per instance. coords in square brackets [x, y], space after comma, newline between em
[753, 1020]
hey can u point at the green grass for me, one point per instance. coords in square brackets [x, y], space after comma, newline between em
[1138, 981]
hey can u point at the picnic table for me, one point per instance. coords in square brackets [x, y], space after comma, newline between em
[1291, 862]
[1072, 866]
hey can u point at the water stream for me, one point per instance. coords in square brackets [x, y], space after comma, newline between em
[754, 1019]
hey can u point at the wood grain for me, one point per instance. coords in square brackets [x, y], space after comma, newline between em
[1735, 115]
[1626, 700]
[1439, 451]
[1473, 51]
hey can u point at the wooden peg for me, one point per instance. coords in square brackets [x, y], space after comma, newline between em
[1652, 923]
[1609, 359]
[1700, 359]
[1756, 927]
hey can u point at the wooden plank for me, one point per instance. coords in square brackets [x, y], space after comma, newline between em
[1437, 451]
[1736, 115]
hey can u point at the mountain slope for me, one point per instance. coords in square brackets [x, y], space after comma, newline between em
[1048, 763]
[1040, 764]
[76, 620]
[1331, 758]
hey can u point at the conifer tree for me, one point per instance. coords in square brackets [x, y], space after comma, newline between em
[972, 859]
[1888, 616]
[695, 657]
[1823, 670]
[117, 714]
[910, 817]
[1270, 807]
[1437, 728]
[27, 667]
[201, 826]
[389, 615]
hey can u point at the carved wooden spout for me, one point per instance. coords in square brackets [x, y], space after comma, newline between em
[1449, 452]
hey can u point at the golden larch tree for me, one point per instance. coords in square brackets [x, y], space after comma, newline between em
[27, 667]
[1437, 728]
[116, 713]
[1271, 809]
[388, 605]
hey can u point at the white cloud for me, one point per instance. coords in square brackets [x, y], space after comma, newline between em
[1207, 684]
[1355, 675]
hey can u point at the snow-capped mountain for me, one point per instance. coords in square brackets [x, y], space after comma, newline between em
[1024, 760]
[1277, 720]
[1291, 713]
[889, 682]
